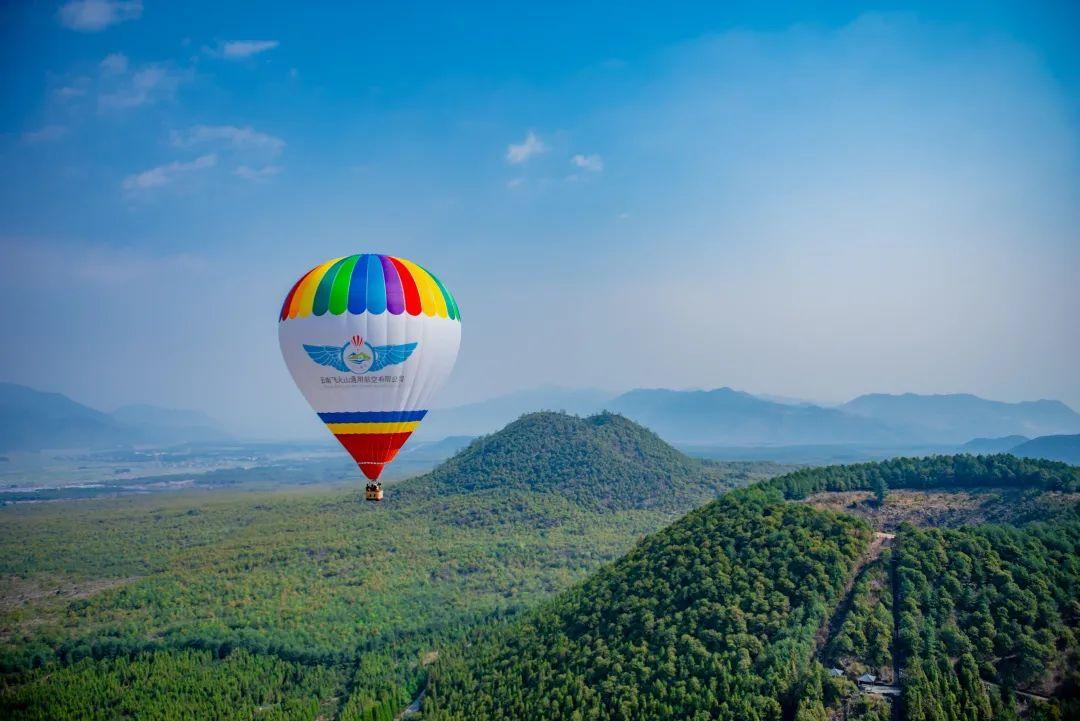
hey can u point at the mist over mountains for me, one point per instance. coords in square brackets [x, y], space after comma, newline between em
[32, 420]
[958, 417]
[729, 418]
[719, 423]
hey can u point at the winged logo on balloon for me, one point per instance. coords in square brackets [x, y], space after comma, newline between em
[358, 356]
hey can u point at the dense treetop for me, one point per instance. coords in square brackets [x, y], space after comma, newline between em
[954, 472]
[710, 618]
[985, 610]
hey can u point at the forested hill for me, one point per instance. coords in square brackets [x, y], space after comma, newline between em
[729, 612]
[713, 617]
[940, 472]
[603, 461]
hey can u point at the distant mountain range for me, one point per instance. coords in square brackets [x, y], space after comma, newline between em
[993, 445]
[477, 419]
[957, 417]
[1054, 448]
[733, 418]
[729, 418]
[721, 423]
[32, 420]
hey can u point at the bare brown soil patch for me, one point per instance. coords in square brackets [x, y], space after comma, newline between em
[945, 508]
[16, 592]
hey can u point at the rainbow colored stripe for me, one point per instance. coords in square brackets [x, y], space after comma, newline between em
[369, 283]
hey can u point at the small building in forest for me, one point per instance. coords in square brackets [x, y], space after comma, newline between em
[867, 678]
[836, 672]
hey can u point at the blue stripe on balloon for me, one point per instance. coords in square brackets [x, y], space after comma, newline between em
[376, 286]
[372, 416]
[358, 285]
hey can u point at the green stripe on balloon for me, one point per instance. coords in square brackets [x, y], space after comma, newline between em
[339, 294]
[322, 293]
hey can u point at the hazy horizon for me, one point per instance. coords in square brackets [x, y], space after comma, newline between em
[809, 203]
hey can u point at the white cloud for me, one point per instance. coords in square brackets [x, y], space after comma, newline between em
[591, 163]
[246, 138]
[44, 134]
[91, 16]
[257, 174]
[114, 64]
[515, 182]
[520, 152]
[147, 85]
[165, 174]
[240, 49]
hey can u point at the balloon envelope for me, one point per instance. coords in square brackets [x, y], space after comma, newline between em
[369, 340]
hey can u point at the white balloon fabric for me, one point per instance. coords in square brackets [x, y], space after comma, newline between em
[369, 340]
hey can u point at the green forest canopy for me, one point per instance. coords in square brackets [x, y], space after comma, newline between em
[341, 605]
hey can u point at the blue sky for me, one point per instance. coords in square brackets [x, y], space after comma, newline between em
[814, 201]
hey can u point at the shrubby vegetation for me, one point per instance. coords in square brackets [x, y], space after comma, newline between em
[713, 617]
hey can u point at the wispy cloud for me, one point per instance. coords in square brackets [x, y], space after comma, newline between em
[44, 134]
[121, 84]
[591, 163]
[73, 90]
[166, 174]
[517, 153]
[245, 138]
[114, 64]
[257, 174]
[91, 16]
[240, 49]
[145, 86]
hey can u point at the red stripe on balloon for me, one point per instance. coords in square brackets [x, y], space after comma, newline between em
[373, 447]
[408, 285]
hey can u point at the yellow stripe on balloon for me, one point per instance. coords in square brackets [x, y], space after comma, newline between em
[397, 427]
[304, 299]
[431, 298]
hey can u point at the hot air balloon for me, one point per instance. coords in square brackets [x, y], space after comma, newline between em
[369, 340]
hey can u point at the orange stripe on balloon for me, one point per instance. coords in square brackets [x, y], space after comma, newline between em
[294, 300]
[289, 298]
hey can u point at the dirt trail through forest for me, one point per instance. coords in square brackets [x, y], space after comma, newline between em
[831, 624]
